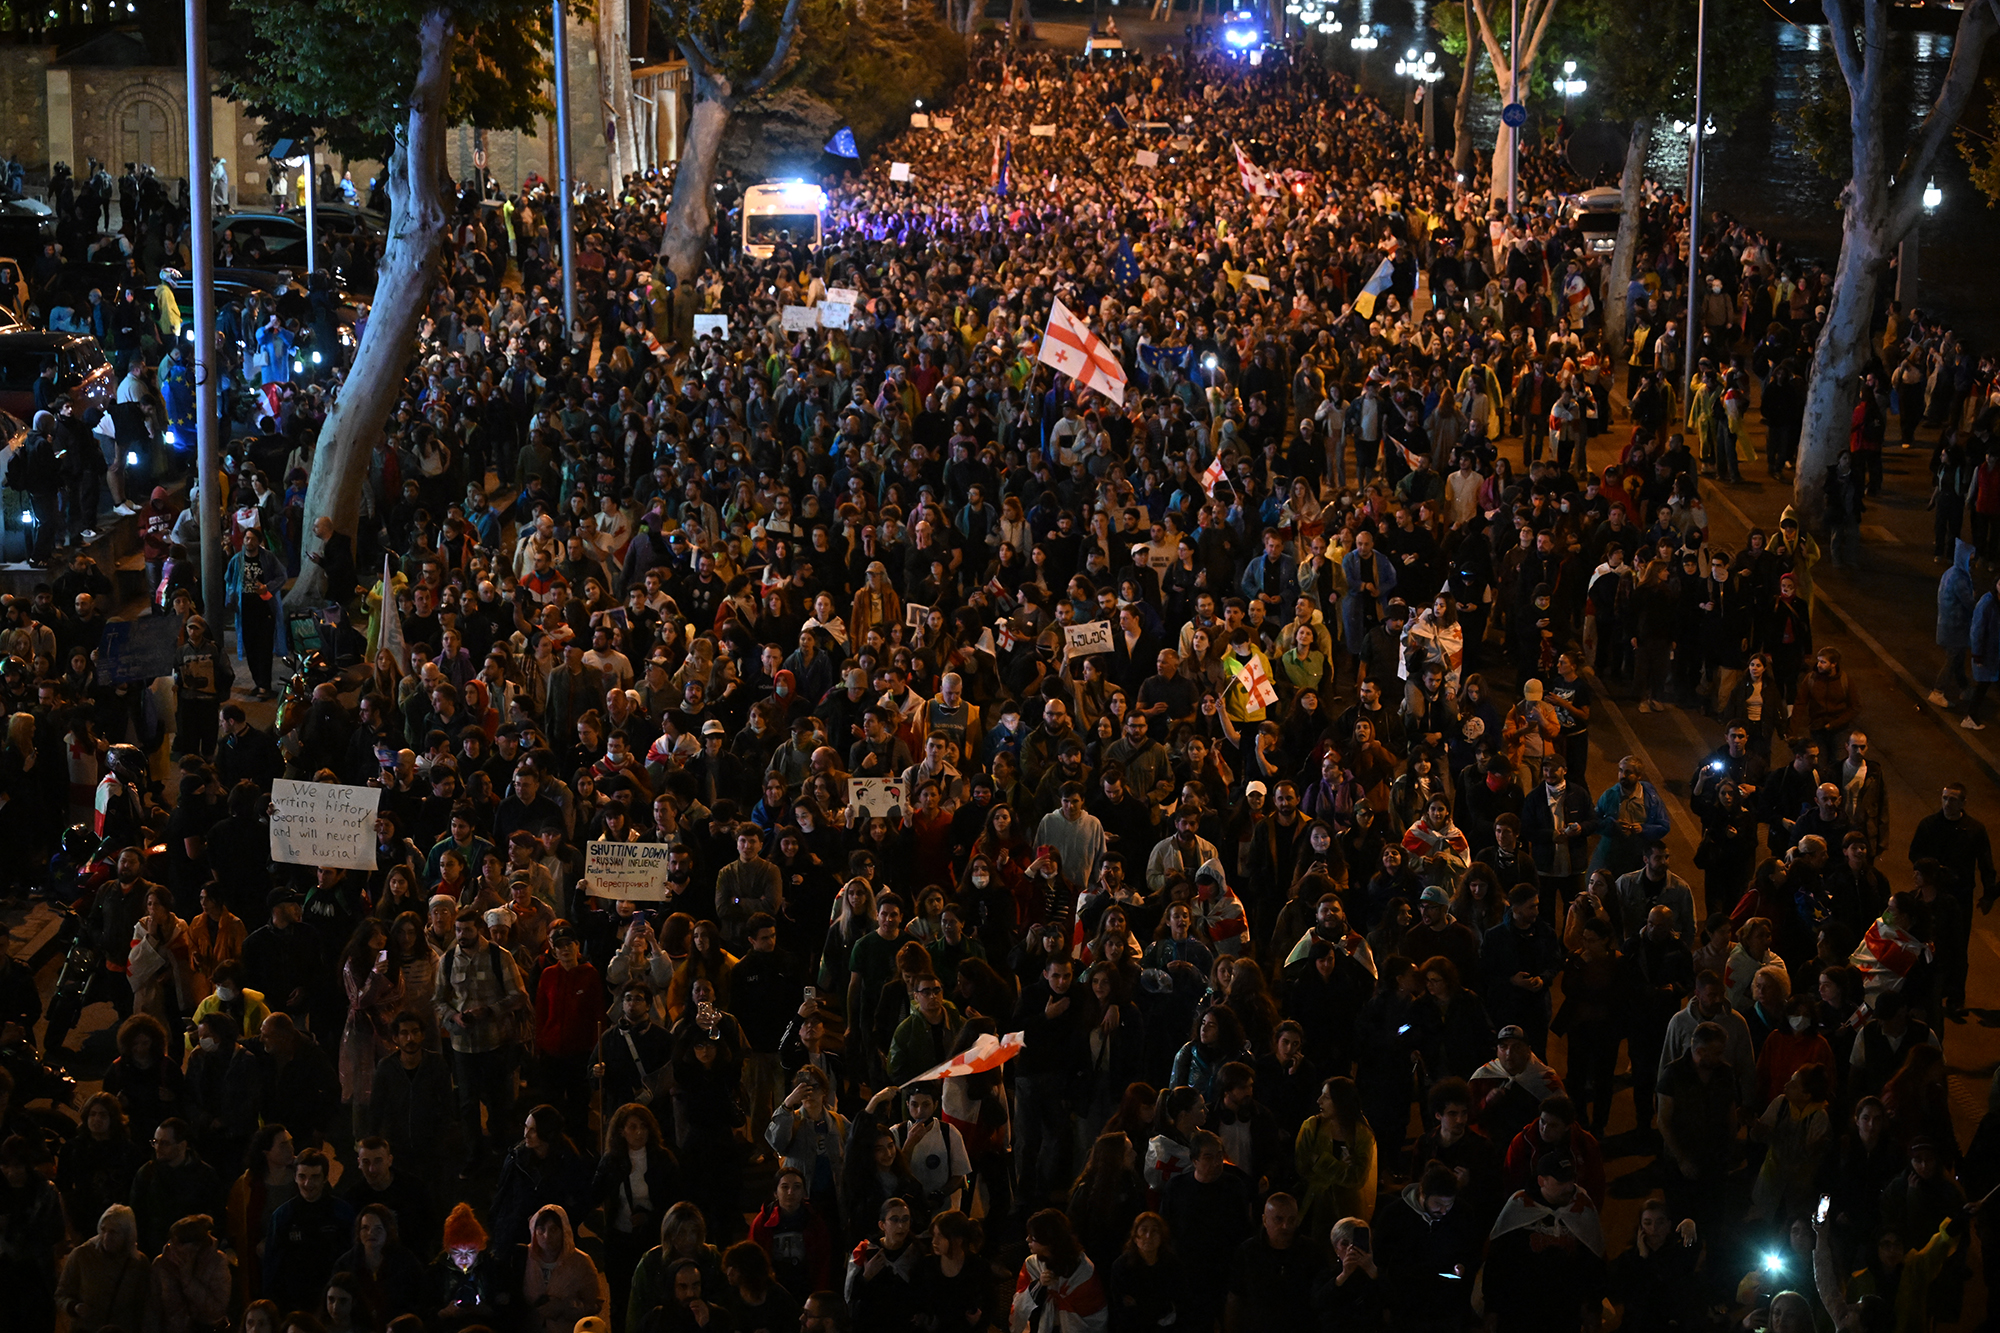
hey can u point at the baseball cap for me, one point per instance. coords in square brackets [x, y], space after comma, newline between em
[1557, 1165]
[1532, 691]
[1436, 894]
[1257, 787]
[1512, 1032]
[282, 895]
[713, 728]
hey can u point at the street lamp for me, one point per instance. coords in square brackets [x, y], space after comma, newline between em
[1569, 85]
[1364, 39]
[1422, 71]
[1907, 280]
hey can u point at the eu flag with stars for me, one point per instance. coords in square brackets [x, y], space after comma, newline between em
[842, 143]
[1125, 264]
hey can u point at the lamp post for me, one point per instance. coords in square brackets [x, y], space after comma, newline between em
[1907, 278]
[1569, 85]
[1422, 71]
[1700, 131]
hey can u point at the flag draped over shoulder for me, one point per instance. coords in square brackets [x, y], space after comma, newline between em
[1256, 180]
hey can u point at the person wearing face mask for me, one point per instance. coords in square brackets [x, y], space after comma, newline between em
[230, 996]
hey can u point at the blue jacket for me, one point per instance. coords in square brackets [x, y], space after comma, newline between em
[1986, 639]
[1956, 596]
[1252, 582]
[1616, 851]
[274, 583]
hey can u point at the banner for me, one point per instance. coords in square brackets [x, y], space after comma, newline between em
[707, 325]
[321, 824]
[899, 171]
[986, 1054]
[137, 649]
[870, 797]
[800, 317]
[1088, 640]
[633, 871]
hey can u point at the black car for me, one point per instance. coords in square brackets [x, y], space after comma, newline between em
[82, 372]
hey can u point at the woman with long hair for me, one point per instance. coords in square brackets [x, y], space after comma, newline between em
[1058, 1290]
[158, 962]
[1148, 1290]
[954, 1284]
[265, 1183]
[636, 1178]
[1217, 1039]
[371, 973]
[1335, 1154]
[1178, 1113]
[387, 1277]
[97, 1164]
[1107, 1196]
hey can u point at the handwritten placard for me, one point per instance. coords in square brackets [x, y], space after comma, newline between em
[843, 296]
[323, 824]
[633, 871]
[1088, 640]
[716, 326]
[868, 798]
[1146, 157]
[899, 171]
[800, 317]
[835, 315]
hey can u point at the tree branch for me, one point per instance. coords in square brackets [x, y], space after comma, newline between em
[1541, 31]
[781, 54]
[1840, 26]
[1961, 80]
[1493, 52]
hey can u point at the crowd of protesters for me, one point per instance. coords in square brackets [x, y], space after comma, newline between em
[1321, 937]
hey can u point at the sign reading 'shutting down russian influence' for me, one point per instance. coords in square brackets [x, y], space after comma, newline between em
[323, 824]
[634, 871]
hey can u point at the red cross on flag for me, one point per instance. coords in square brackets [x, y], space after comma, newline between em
[1257, 684]
[1082, 355]
[1214, 476]
[987, 1054]
[1256, 180]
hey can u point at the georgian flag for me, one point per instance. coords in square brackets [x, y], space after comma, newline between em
[1256, 180]
[1214, 476]
[1257, 684]
[986, 1054]
[1080, 354]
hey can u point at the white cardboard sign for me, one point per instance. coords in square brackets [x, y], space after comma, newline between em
[800, 317]
[1041, 131]
[869, 797]
[717, 325]
[323, 824]
[835, 314]
[634, 871]
[843, 295]
[1088, 640]
[899, 171]
[1146, 157]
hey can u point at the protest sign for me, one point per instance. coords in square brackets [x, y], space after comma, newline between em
[718, 325]
[1041, 131]
[919, 120]
[800, 317]
[138, 650]
[835, 314]
[323, 824]
[1258, 281]
[1088, 640]
[633, 871]
[843, 295]
[1146, 157]
[942, 124]
[869, 797]
[913, 615]
[899, 171]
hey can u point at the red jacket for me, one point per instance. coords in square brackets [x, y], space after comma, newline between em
[1519, 1171]
[569, 1010]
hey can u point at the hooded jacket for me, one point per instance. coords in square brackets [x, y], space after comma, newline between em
[569, 1288]
[1221, 913]
[1956, 597]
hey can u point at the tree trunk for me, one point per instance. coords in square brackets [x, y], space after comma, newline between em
[1630, 187]
[621, 110]
[1837, 361]
[1461, 137]
[419, 224]
[1497, 183]
[1017, 15]
[691, 215]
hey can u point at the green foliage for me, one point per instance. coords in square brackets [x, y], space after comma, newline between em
[872, 67]
[1825, 129]
[1574, 34]
[1646, 60]
[346, 67]
[1978, 139]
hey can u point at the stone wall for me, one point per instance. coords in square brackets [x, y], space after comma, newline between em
[24, 119]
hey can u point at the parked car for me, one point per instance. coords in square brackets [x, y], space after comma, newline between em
[83, 373]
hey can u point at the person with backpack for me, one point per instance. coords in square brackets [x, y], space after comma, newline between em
[479, 999]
